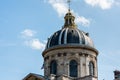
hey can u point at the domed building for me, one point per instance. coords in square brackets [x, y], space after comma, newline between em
[69, 54]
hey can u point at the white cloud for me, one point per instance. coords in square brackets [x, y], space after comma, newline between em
[103, 4]
[28, 36]
[35, 44]
[61, 8]
[28, 33]
[82, 20]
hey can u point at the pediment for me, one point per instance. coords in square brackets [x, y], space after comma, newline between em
[33, 76]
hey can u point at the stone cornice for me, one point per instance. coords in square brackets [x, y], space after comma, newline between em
[69, 46]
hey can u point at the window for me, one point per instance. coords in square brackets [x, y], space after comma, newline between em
[91, 68]
[73, 68]
[59, 54]
[64, 54]
[53, 67]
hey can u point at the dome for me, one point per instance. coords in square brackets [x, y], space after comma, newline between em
[69, 34]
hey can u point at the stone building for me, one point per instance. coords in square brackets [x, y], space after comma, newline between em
[69, 54]
[116, 75]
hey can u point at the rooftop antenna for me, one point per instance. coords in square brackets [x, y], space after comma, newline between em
[69, 1]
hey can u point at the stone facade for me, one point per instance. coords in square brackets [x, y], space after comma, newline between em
[64, 54]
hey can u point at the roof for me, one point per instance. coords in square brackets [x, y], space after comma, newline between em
[35, 75]
[69, 34]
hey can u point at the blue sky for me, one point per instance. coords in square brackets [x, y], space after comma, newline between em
[25, 26]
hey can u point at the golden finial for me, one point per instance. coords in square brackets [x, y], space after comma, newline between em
[69, 18]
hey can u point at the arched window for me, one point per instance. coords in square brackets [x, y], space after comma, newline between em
[73, 68]
[91, 68]
[53, 67]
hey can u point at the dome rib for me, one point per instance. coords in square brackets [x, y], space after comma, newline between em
[83, 38]
[80, 39]
[60, 37]
[65, 37]
[49, 40]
